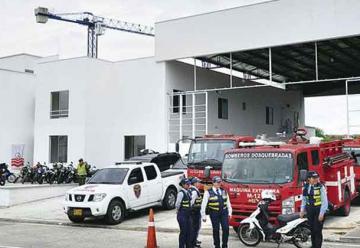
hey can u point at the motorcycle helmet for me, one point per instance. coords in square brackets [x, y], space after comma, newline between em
[268, 195]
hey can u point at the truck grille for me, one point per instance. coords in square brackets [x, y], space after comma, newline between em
[79, 198]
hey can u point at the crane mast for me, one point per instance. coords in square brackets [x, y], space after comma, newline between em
[96, 26]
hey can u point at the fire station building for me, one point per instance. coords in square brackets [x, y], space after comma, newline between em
[243, 70]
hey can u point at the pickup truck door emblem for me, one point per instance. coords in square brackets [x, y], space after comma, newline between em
[137, 190]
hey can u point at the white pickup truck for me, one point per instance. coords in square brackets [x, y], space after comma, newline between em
[126, 186]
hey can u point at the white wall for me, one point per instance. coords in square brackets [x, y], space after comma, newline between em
[257, 26]
[19, 62]
[17, 103]
[106, 102]
[131, 102]
[73, 75]
[249, 122]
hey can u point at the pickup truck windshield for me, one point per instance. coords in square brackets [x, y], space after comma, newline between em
[109, 176]
[258, 167]
[209, 151]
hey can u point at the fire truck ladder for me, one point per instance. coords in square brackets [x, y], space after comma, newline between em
[187, 115]
[352, 114]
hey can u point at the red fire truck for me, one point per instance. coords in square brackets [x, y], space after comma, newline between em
[246, 172]
[208, 151]
[352, 147]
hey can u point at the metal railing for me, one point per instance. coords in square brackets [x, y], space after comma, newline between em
[61, 113]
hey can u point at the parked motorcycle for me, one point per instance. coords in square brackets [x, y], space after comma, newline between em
[38, 174]
[257, 228]
[71, 175]
[49, 175]
[9, 176]
[26, 174]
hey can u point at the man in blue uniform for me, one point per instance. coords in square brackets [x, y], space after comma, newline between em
[314, 204]
[196, 200]
[217, 201]
[183, 206]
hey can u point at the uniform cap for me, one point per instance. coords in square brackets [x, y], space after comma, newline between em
[313, 174]
[195, 180]
[216, 179]
[185, 181]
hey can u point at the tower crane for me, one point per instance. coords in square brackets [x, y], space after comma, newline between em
[96, 26]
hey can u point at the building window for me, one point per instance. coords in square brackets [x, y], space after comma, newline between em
[244, 106]
[223, 108]
[58, 149]
[134, 145]
[269, 115]
[176, 102]
[59, 104]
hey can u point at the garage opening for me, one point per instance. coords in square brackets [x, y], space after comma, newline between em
[134, 145]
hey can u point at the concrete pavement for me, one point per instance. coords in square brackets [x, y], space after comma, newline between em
[23, 235]
[50, 211]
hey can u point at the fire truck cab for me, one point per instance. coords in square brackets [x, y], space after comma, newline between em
[208, 151]
[352, 147]
[246, 172]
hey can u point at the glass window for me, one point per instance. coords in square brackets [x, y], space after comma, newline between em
[109, 176]
[269, 115]
[58, 149]
[209, 151]
[223, 108]
[258, 167]
[136, 176]
[150, 172]
[315, 157]
[302, 162]
[59, 104]
[176, 102]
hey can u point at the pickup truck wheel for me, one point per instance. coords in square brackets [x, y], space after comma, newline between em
[76, 219]
[115, 213]
[169, 199]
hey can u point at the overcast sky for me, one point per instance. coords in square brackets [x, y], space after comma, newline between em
[20, 33]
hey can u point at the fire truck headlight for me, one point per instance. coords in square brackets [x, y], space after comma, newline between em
[288, 205]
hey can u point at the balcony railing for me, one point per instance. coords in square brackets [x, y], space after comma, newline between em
[61, 113]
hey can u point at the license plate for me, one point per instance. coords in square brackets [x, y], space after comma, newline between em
[78, 212]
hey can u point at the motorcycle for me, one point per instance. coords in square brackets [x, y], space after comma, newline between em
[291, 229]
[10, 177]
[49, 175]
[26, 174]
[39, 174]
[70, 174]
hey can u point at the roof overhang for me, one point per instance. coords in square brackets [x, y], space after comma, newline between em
[270, 24]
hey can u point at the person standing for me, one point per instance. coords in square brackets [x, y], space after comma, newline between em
[217, 201]
[183, 207]
[196, 200]
[81, 171]
[314, 204]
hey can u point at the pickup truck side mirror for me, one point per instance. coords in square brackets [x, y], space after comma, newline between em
[207, 171]
[303, 175]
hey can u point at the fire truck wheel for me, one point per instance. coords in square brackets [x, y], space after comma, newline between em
[249, 237]
[345, 210]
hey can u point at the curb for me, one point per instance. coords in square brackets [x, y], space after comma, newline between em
[88, 225]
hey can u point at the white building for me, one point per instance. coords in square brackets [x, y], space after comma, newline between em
[113, 109]
[249, 78]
